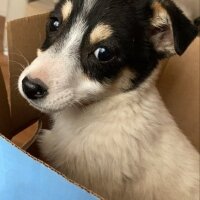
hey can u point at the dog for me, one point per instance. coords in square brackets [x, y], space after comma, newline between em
[95, 75]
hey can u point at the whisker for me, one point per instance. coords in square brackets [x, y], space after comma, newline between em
[21, 65]
[21, 55]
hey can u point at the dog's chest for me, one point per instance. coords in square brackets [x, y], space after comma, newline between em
[100, 147]
[92, 138]
[96, 148]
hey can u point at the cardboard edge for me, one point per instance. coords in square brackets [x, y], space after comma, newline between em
[3, 88]
[29, 17]
[31, 137]
[4, 102]
[18, 121]
[9, 41]
[52, 169]
[2, 24]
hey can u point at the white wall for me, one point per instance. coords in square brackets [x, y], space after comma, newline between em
[13, 9]
[16, 9]
[190, 7]
[3, 7]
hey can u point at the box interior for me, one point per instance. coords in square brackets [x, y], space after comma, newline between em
[178, 85]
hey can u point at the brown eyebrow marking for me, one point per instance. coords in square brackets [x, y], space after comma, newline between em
[100, 32]
[67, 9]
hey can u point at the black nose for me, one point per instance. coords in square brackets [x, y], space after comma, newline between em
[34, 88]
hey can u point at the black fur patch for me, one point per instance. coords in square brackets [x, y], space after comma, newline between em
[130, 42]
[197, 23]
[52, 37]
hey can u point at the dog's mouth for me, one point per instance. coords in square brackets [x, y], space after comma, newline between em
[60, 102]
[44, 98]
[53, 103]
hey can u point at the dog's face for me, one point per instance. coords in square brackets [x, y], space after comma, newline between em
[94, 49]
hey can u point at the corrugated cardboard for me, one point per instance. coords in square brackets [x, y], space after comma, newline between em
[27, 137]
[24, 37]
[2, 23]
[179, 86]
[24, 178]
[5, 121]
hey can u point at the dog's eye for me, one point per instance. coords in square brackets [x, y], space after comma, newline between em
[54, 24]
[103, 54]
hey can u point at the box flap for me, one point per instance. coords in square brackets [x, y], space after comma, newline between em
[24, 178]
[4, 109]
[179, 86]
[28, 136]
[24, 38]
[2, 24]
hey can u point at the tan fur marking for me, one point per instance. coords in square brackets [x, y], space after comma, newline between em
[157, 6]
[163, 40]
[160, 15]
[67, 9]
[100, 32]
[123, 82]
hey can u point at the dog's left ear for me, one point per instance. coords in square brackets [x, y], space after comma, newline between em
[171, 32]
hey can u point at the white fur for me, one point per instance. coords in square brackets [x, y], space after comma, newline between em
[125, 147]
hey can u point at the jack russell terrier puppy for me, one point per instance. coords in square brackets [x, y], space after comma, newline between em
[95, 74]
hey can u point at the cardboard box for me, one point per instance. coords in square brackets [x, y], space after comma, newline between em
[39, 7]
[2, 22]
[25, 178]
[5, 120]
[178, 85]
[21, 175]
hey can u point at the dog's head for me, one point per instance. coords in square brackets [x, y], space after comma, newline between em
[94, 49]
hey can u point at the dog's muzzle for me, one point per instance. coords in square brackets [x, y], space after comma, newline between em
[34, 89]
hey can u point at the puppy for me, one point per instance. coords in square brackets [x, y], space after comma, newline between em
[95, 74]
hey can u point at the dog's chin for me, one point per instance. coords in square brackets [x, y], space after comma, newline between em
[52, 104]
[51, 109]
[48, 108]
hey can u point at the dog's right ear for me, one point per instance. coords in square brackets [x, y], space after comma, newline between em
[171, 31]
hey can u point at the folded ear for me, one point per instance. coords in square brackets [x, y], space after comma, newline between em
[171, 32]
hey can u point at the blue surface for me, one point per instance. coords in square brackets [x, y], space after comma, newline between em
[23, 178]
